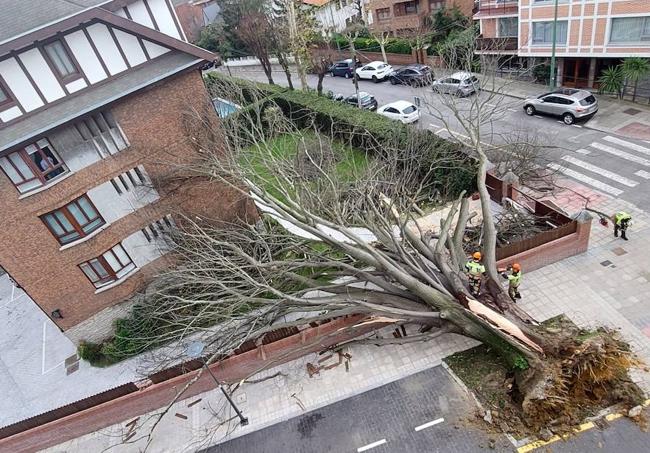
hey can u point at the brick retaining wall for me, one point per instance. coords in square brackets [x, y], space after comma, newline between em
[155, 396]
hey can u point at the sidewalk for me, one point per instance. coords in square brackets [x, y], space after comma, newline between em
[614, 116]
[601, 287]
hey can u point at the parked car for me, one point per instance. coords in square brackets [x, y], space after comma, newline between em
[460, 83]
[402, 111]
[368, 101]
[413, 74]
[375, 71]
[569, 104]
[344, 68]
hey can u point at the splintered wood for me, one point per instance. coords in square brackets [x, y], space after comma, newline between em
[339, 359]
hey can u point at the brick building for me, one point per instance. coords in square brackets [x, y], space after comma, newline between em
[591, 34]
[92, 101]
[404, 18]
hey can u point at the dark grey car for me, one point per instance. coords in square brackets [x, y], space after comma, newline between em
[568, 103]
[368, 101]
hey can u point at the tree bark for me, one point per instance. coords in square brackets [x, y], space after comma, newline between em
[285, 67]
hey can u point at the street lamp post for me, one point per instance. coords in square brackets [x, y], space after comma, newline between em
[553, 81]
[194, 351]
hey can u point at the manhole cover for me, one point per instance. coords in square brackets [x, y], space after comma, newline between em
[618, 251]
[631, 111]
[606, 263]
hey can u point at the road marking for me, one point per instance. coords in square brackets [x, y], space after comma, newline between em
[644, 174]
[621, 154]
[583, 151]
[577, 125]
[434, 125]
[513, 110]
[600, 171]
[634, 146]
[43, 350]
[431, 423]
[587, 180]
[372, 445]
[537, 116]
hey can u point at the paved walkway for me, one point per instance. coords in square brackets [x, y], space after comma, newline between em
[605, 286]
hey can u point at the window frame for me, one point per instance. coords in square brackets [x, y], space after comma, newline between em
[64, 79]
[111, 274]
[550, 41]
[642, 39]
[38, 174]
[383, 14]
[10, 100]
[76, 226]
[516, 27]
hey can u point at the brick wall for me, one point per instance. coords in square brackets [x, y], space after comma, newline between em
[191, 20]
[153, 122]
[156, 396]
[395, 59]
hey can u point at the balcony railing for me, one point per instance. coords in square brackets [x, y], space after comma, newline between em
[497, 44]
[497, 7]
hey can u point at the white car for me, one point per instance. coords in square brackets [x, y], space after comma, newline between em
[375, 71]
[402, 111]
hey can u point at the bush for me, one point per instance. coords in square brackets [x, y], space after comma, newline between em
[394, 45]
[542, 73]
[90, 352]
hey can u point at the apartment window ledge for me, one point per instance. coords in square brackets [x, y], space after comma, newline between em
[85, 238]
[46, 186]
[549, 44]
[629, 44]
[547, 3]
[117, 282]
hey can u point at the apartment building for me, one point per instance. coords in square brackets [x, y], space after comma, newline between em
[591, 35]
[335, 15]
[93, 98]
[403, 18]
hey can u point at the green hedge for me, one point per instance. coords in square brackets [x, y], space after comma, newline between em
[360, 128]
[394, 45]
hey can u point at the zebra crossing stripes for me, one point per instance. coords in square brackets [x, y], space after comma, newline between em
[630, 145]
[587, 180]
[642, 173]
[600, 171]
[622, 154]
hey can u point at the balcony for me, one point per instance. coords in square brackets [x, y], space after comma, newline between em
[495, 8]
[497, 45]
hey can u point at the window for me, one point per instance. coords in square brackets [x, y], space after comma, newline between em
[34, 166]
[159, 228]
[406, 8]
[543, 32]
[73, 221]
[103, 132]
[61, 60]
[109, 267]
[508, 27]
[383, 14]
[435, 5]
[630, 29]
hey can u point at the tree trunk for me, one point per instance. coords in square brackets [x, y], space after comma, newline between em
[489, 229]
[285, 67]
[382, 46]
[301, 72]
[355, 79]
[319, 86]
[266, 66]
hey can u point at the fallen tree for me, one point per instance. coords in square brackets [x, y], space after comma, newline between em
[346, 243]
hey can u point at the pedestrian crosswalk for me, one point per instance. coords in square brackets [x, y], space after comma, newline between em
[610, 164]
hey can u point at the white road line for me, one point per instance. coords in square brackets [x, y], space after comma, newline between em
[577, 125]
[587, 180]
[634, 146]
[431, 423]
[43, 350]
[621, 154]
[583, 151]
[513, 110]
[600, 171]
[434, 126]
[644, 174]
[537, 116]
[372, 445]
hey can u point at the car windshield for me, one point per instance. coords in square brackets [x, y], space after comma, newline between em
[588, 100]
[381, 66]
[365, 97]
[409, 109]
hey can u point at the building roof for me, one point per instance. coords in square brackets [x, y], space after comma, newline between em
[35, 126]
[22, 16]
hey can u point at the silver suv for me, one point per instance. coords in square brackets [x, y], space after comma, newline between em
[567, 103]
[460, 83]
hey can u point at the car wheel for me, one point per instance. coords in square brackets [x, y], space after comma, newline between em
[393, 81]
[347, 75]
[530, 110]
[375, 79]
[568, 119]
[332, 74]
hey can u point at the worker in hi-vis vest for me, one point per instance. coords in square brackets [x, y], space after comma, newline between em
[622, 220]
[475, 271]
[514, 280]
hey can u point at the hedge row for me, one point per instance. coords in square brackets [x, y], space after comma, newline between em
[394, 45]
[360, 128]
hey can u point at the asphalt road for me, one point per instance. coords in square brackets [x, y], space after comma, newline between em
[616, 165]
[426, 412]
